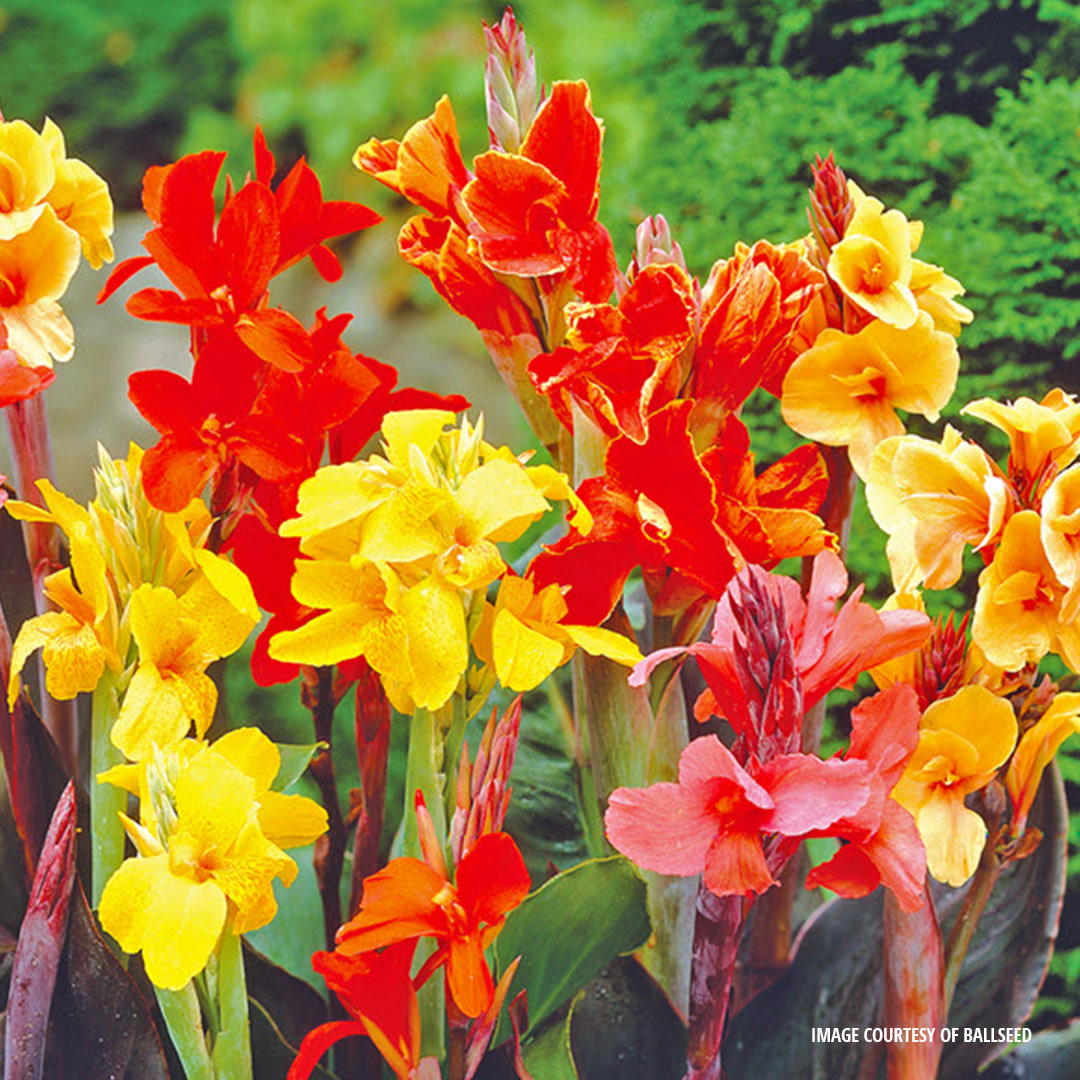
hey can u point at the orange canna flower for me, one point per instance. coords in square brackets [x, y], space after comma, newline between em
[1036, 750]
[845, 390]
[35, 268]
[410, 898]
[1018, 609]
[1060, 532]
[933, 499]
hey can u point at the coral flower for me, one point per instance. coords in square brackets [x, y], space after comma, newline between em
[410, 899]
[845, 390]
[1060, 532]
[716, 817]
[963, 741]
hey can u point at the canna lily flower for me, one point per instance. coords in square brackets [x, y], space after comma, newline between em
[1042, 435]
[378, 994]
[206, 855]
[522, 636]
[1018, 608]
[882, 841]
[845, 390]
[169, 690]
[395, 544]
[715, 818]
[77, 641]
[934, 291]
[18, 382]
[35, 268]
[1060, 533]
[80, 198]
[619, 365]
[872, 263]
[831, 648]
[963, 741]
[690, 538]
[933, 499]
[409, 899]
[1035, 750]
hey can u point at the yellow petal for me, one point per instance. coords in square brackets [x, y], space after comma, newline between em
[174, 921]
[597, 641]
[499, 501]
[954, 837]
[230, 581]
[290, 820]
[252, 753]
[524, 657]
[149, 715]
[438, 642]
[413, 427]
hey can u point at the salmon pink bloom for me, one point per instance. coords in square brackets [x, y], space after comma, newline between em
[411, 899]
[716, 817]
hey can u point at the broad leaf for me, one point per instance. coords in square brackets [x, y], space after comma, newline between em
[294, 761]
[570, 928]
[1050, 1055]
[549, 1056]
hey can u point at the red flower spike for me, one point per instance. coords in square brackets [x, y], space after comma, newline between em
[408, 899]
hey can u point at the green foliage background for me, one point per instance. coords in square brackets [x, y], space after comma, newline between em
[964, 114]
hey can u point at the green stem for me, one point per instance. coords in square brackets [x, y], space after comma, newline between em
[232, 1047]
[106, 800]
[183, 1018]
[423, 772]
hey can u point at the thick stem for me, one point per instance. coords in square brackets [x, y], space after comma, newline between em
[232, 1044]
[330, 848]
[717, 931]
[183, 1018]
[456, 1038]
[32, 460]
[106, 800]
[914, 965]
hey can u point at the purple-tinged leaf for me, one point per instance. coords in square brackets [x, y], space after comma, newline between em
[41, 943]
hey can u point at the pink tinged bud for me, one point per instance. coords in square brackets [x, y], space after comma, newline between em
[510, 84]
[831, 206]
[429, 839]
[654, 247]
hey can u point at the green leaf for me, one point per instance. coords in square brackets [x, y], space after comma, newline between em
[1050, 1055]
[294, 760]
[271, 1051]
[570, 928]
[549, 1055]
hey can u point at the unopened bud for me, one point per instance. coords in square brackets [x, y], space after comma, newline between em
[510, 84]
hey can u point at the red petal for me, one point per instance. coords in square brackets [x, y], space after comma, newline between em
[248, 241]
[468, 976]
[811, 794]
[175, 471]
[165, 400]
[122, 273]
[317, 1042]
[264, 160]
[491, 878]
[735, 865]
[163, 305]
[277, 337]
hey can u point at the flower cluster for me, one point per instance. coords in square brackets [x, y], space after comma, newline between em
[882, 336]
[401, 548]
[144, 598]
[51, 206]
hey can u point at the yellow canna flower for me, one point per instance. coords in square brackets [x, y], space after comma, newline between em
[1036, 750]
[933, 499]
[522, 636]
[122, 544]
[169, 690]
[963, 741]
[78, 640]
[1041, 434]
[397, 545]
[872, 263]
[1018, 608]
[35, 268]
[845, 390]
[27, 174]
[80, 198]
[209, 842]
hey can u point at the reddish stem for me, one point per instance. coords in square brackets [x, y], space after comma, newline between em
[372, 754]
[32, 460]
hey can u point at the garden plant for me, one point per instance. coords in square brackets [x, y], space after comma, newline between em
[640, 598]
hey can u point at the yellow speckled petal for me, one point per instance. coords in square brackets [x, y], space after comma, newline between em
[252, 753]
[149, 715]
[230, 581]
[438, 642]
[414, 427]
[499, 501]
[597, 641]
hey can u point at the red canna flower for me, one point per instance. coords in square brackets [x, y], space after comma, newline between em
[410, 898]
[17, 382]
[377, 992]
